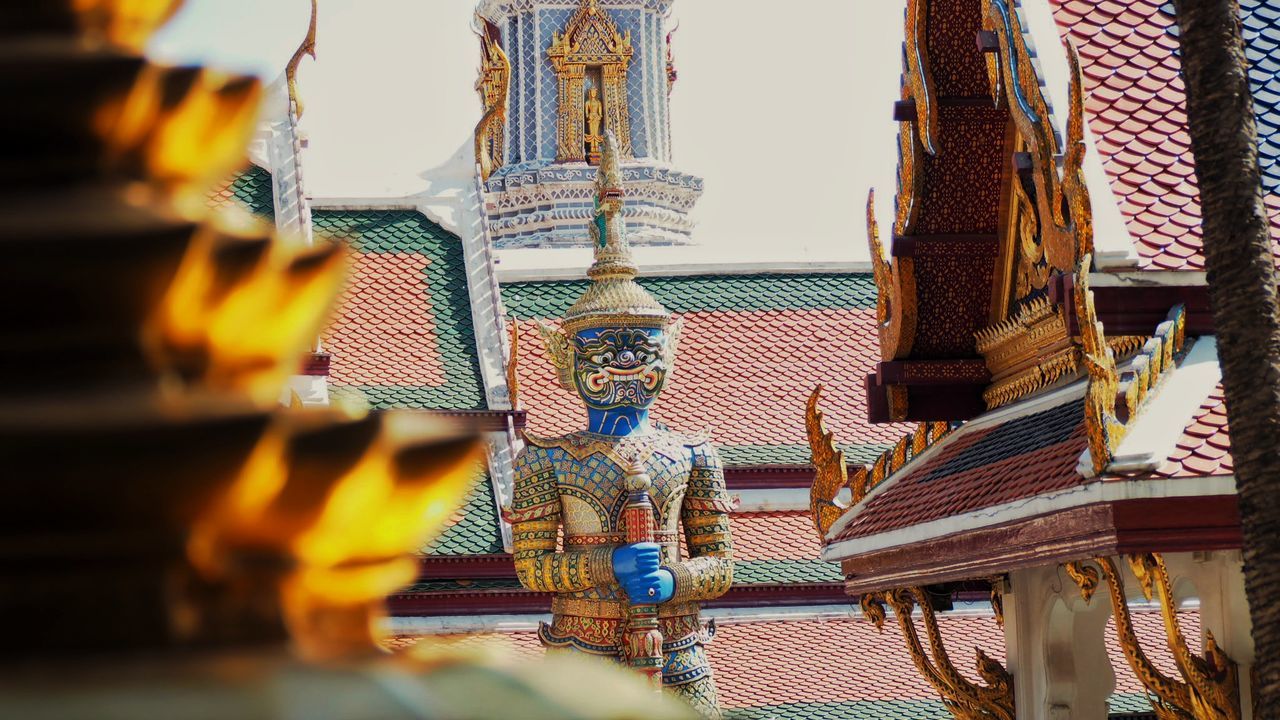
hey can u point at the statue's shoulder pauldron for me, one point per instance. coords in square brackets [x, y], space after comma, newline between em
[690, 439]
[538, 441]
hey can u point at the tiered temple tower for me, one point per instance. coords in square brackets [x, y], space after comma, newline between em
[555, 75]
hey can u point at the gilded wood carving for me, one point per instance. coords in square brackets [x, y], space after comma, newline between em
[1207, 688]
[513, 365]
[308, 47]
[590, 41]
[833, 475]
[492, 84]
[965, 700]
[1061, 201]
[895, 293]
[1103, 425]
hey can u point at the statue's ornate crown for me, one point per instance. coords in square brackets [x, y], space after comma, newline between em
[614, 299]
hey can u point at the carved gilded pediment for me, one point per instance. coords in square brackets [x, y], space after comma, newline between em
[492, 83]
[590, 41]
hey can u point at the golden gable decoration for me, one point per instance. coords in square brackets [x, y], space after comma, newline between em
[590, 44]
[492, 84]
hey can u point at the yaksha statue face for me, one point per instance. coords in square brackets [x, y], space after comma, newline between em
[619, 367]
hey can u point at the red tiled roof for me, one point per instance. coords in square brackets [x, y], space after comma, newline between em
[778, 535]
[1135, 101]
[1022, 457]
[744, 374]
[384, 324]
[832, 660]
[1205, 446]
[1136, 105]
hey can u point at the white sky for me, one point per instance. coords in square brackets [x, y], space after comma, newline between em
[783, 108]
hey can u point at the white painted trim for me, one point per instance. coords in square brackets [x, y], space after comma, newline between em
[527, 622]
[459, 624]
[1045, 401]
[1148, 278]
[1155, 432]
[771, 500]
[555, 264]
[1078, 496]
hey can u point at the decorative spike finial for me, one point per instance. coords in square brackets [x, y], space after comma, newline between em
[308, 47]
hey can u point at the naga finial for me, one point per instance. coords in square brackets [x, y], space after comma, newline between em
[308, 47]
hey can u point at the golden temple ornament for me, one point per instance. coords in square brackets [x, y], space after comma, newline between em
[492, 84]
[590, 58]
[308, 47]
[966, 700]
[1208, 688]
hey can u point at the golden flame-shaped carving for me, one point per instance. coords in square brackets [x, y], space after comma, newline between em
[1208, 687]
[492, 84]
[1103, 426]
[831, 473]
[965, 700]
[1062, 208]
[895, 293]
[513, 365]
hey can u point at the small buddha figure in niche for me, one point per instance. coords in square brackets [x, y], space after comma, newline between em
[594, 112]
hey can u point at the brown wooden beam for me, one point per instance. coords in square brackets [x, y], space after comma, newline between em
[1150, 525]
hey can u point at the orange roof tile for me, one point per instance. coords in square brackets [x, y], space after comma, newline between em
[777, 535]
[1135, 101]
[1205, 446]
[759, 664]
[746, 393]
[383, 324]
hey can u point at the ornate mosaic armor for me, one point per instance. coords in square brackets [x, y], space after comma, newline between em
[615, 348]
[573, 483]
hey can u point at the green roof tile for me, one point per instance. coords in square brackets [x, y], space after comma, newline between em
[754, 455]
[704, 293]
[1128, 703]
[476, 533]
[251, 189]
[410, 232]
[855, 710]
[785, 572]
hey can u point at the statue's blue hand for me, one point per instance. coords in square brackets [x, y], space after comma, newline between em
[635, 559]
[636, 567]
[651, 589]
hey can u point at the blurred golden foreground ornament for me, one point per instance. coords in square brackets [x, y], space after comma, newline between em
[167, 530]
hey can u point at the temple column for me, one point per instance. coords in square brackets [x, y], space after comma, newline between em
[1057, 652]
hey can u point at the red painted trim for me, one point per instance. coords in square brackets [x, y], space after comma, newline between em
[933, 372]
[316, 364]
[485, 420]
[466, 567]
[768, 477]
[1138, 310]
[1151, 525]
[927, 402]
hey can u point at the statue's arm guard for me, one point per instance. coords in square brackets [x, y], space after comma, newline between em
[708, 573]
[535, 521]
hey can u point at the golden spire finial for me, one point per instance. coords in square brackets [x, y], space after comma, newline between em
[308, 47]
[613, 299]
